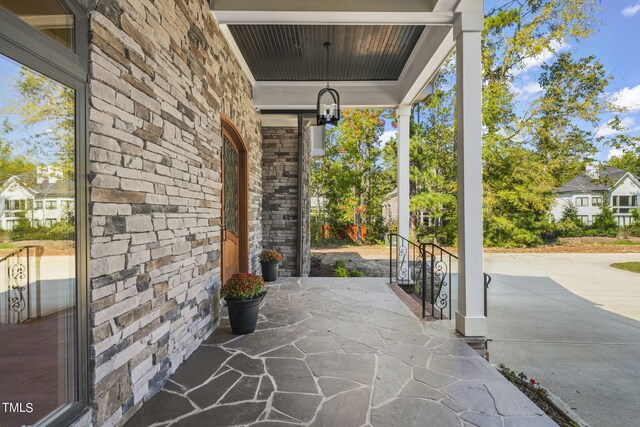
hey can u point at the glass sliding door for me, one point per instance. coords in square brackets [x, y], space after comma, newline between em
[37, 245]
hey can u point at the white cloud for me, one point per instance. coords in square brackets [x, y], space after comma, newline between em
[628, 97]
[626, 122]
[528, 90]
[386, 136]
[537, 61]
[631, 10]
[615, 152]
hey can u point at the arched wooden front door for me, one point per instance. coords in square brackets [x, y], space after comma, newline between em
[235, 241]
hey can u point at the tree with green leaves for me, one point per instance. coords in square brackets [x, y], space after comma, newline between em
[351, 175]
[628, 161]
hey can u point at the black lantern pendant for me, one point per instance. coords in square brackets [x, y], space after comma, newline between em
[328, 113]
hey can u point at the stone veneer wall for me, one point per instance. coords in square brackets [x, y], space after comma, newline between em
[280, 196]
[306, 208]
[279, 193]
[161, 75]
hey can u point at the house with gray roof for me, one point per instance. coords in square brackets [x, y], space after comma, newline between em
[618, 188]
[45, 199]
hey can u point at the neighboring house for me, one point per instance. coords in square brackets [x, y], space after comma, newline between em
[617, 187]
[390, 207]
[44, 204]
[390, 211]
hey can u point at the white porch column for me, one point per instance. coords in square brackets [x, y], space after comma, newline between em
[470, 318]
[403, 273]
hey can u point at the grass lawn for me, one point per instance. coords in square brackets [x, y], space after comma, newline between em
[8, 245]
[629, 266]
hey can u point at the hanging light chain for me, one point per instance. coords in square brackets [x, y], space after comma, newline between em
[328, 46]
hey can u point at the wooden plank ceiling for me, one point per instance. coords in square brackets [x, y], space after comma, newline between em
[296, 52]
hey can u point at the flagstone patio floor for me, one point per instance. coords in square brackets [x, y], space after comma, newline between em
[337, 352]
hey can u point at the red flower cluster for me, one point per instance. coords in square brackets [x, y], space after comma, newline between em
[242, 287]
[533, 381]
[270, 255]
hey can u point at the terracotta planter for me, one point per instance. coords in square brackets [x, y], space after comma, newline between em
[270, 271]
[243, 315]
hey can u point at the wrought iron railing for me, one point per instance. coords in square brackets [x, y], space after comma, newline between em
[426, 269]
[20, 276]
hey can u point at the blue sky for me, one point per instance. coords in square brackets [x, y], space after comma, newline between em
[616, 43]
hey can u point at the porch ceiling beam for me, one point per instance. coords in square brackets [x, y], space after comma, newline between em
[240, 17]
[331, 5]
[432, 49]
[303, 95]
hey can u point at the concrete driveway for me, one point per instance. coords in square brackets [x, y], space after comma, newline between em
[572, 322]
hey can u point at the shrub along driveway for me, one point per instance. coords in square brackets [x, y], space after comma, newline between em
[572, 322]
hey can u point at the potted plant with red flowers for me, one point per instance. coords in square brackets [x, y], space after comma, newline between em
[270, 260]
[243, 294]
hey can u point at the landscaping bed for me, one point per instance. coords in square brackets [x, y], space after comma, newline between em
[538, 395]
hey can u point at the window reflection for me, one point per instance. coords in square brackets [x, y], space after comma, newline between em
[37, 244]
[50, 17]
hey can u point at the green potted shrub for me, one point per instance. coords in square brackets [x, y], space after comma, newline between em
[243, 293]
[270, 260]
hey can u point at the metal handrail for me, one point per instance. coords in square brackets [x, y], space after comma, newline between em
[18, 278]
[435, 259]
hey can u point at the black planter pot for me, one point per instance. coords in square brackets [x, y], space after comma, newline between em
[243, 315]
[269, 271]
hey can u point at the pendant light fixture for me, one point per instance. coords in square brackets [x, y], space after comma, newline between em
[328, 113]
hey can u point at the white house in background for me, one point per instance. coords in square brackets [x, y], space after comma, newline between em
[44, 203]
[619, 188]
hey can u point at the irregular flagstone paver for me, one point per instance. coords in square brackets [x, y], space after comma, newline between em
[205, 362]
[416, 338]
[331, 386]
[271, 424]
[164, 406]
[405, 412]
[392, 375]
[244, 389]
[472, 395]
[226, 415]
[481, 420]
[347, 409]
[318, 323]
[291, 375]
[355, 367]
[266, 388]
[453, 405]
[317, 344]
[248, 366]
[432, 378]
[417, 389]
[288, 351]
[464, 369]
[350, 346]
[360, 332]
[276, 415]
[212, 391]
[267, 340]
[411, 354]
[302, 407]
[534, 421]
[284, 317]
[338, 352]
[508, 402]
